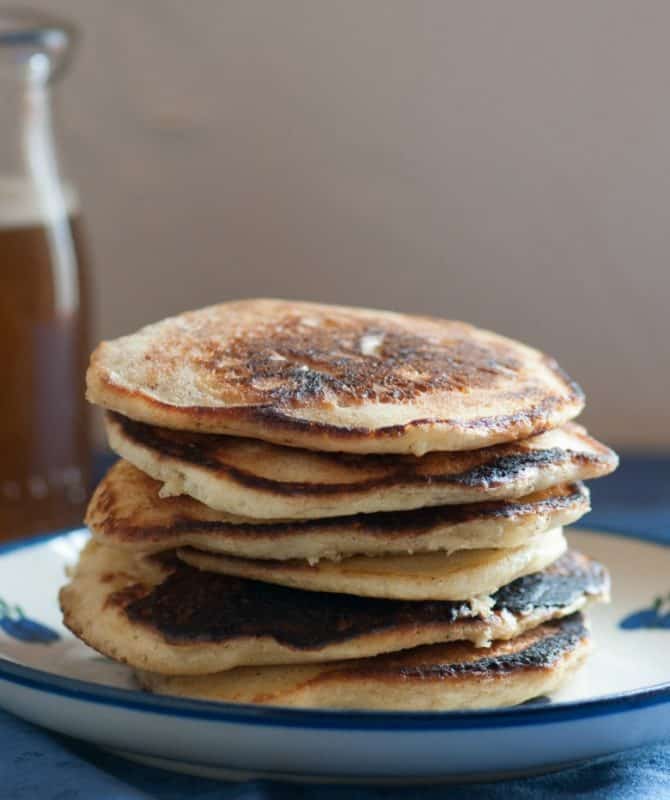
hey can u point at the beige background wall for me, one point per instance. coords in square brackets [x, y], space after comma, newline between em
[503, 162]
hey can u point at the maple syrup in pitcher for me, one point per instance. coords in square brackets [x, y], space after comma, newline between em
[44, 433]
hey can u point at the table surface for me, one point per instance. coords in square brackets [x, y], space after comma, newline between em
[37, 765]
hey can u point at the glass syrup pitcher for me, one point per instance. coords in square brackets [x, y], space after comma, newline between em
[44, 431]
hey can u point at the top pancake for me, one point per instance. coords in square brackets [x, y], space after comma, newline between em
[332, 378]
[454, 676]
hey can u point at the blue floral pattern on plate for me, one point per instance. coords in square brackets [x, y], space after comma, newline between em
[16, 624]
[657, 615]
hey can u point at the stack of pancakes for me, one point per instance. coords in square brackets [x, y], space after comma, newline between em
[335, 507]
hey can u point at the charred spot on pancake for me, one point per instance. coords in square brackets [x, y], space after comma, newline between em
[540, 648]
[195, 606]
[558, 586]
[196, 448]
[500, 470]
[297, 360]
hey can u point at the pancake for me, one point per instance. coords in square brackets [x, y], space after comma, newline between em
[250, 478]
[332, 378]
[465, 574]
[454, 676]
[164, 616]
[126, 511]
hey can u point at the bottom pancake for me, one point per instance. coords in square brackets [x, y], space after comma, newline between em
[454, 676]
[161, 615]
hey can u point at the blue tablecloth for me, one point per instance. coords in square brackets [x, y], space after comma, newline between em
[36, 765]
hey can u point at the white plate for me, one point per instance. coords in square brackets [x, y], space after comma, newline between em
[621, 699]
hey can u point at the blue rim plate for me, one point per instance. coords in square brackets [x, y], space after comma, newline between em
[585, 708]
[251, 714]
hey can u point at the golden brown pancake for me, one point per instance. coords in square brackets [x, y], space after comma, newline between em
[461, 575]
[437, 677]
[126, 511]
[332, 378]
[164, 616]
[250, 478]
